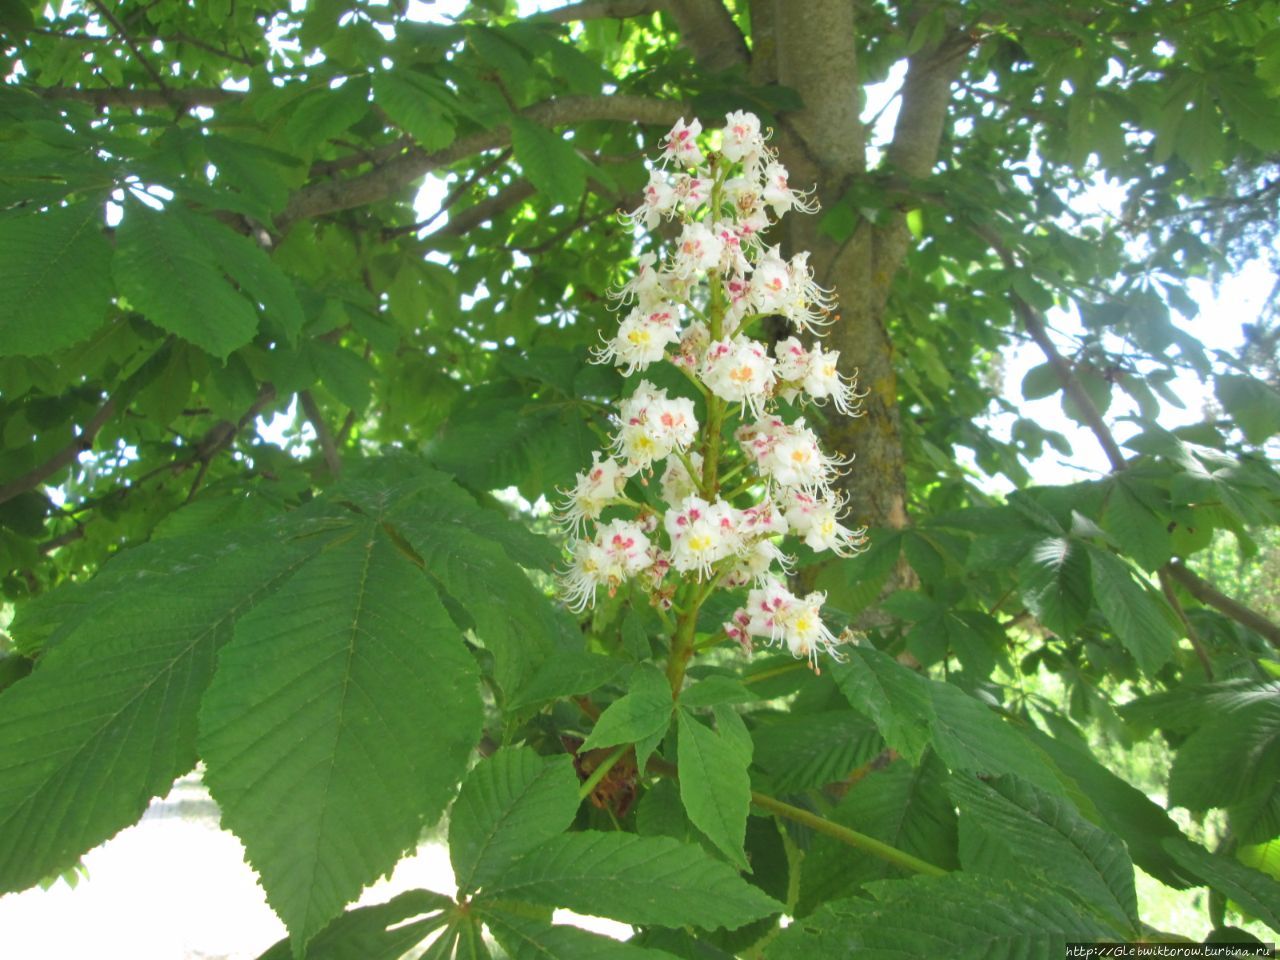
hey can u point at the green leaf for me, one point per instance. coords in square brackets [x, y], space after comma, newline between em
[526, 939]
[1137, 616]
[550, 163]
[566, 674]
[643, 880]
[323, 114]
[803, 751]
[1009, 829]
[1041, 381]
[1254, 405]
[313, 729]
[55, 278]
[412, 103]
[510, 803]
[906, 807]
[378, 932]
[1121, 807]
[1232, 758]
[1055, 583]
[960, 916]
[640, 716]
[108, 719]
[171, 275]
[1255, 892]
[1142, 534]
[897, 699]
[716, 689]
[255, 273]
[714, 785]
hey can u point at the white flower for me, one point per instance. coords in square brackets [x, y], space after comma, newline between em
[823, 380]
[817, 520]
[659, 201]
[701, 534]
[739, 371]
[625, 549]
[741, 137]
[779, 195]
[585, 573]
[681, 144]
[755, 563]
[697, 250]
[595, 488]
[796, 459]
[775, 613]
[771, 283]
[763, 520]
[693, 345]
[808, 305]
[653, 425]
[794, 361]
[646, 286]
[642, 339]
[692, 191]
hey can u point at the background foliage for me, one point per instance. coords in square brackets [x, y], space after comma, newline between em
[207, 219]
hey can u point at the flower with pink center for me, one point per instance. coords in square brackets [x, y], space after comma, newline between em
[692, 191]
[817, 521]
[681, 144]
[697, 250]
[595, 488]
[739, 371]
[659, 201]
[778, 194]
[824, 381]
[702, 534]
[771, 283]
[794, 360]
[642, 339]
[741, 137]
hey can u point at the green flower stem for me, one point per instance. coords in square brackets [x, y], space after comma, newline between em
[852, 837]
[776, 672]
[602, 771]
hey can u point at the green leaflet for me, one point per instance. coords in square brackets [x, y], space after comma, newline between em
[1055, 583]
[643, 880]
[803, 751]
[172, 276]
[904, 806]
[55, 278]
[960, 916]
[714, 785]
[640, 716]
[363, 934]
[897, 699]
[526, 939]
[1010, 829]
[510, 803]
[913, 711]
[413, 102]
[550, 163]
[1256, 892]
[565, 674]
[1233, 758]
[340, 719]
[1138, 617]
[108, 720]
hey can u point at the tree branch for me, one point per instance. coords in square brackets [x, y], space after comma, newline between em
[709, 32]
[123, 34]
[107, 97]
[327, 447]
[602, 10]
[63, 458]
[1209, 595]
[400, 171]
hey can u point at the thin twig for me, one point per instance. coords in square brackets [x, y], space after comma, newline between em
[323, 435]
[1209, 595]
[123, 34]
[63, 458]
[1166, 586]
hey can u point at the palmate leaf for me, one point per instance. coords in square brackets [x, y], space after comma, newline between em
[803, 751]
[550, 163]
[108, 720]
[1009, 829]
[169, 274]
[55, 278]
[1055, 583]
[1232, 758]
[384, 931]
[960, 916]
[510, 803]
[1136, 614]
[643, 880]
[340, 719]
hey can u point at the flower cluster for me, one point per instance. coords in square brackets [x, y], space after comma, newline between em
[739, 482]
